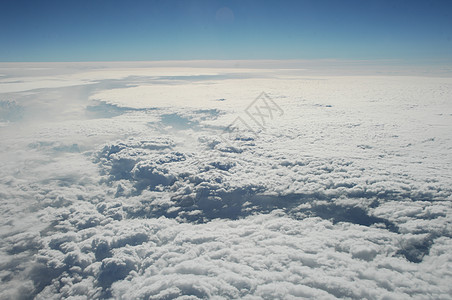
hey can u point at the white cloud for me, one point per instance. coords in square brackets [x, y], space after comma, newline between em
[346, 195]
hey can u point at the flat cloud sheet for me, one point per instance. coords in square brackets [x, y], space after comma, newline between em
[157, 182]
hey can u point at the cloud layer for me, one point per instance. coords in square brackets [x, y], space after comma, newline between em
[135, 187]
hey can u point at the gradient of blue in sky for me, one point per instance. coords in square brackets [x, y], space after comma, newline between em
[101, 30]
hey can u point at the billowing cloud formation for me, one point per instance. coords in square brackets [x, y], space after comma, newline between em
[136, 189]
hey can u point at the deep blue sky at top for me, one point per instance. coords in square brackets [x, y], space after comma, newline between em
[104, 30]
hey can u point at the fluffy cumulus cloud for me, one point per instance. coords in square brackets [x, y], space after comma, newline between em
[180, 183]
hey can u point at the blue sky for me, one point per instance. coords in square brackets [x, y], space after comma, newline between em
[98, 30]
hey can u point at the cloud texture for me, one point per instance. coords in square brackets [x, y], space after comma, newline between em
[128, 183]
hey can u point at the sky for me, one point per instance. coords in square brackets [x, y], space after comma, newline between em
[99, 30]
[288, 174]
